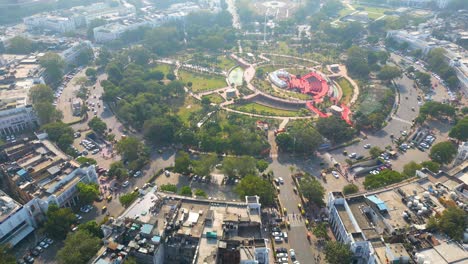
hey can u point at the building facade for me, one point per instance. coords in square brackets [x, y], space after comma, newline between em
[15, 120]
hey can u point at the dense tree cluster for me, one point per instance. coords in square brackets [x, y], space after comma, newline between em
[87, 192]
[384, 178]
[338, 253]
[460, 130]
[97, 125]
[350, 189]
[335, 129]
[452, 222]
[61, 134]
[435, 110]
[42, 97]
[53, 65]
[254, 185]
[374, 120]
[59, 221]
[133, 151]
[79, 247]
[301, 137]
[437, 63]
[312, 189]
[443, 152]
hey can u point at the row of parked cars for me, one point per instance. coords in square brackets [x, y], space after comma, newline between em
[40, 247]
[282, 255]
[10, 138]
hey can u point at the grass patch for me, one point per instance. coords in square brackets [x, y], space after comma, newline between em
[215, 98]
[202, 82]
[225, 63]
[190, 106]
[345, 12]
[255, 108]
[374, 12]
[346, 88]
[164, 68]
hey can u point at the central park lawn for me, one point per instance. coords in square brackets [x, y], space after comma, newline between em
[164, 68]
[225, 63]
[347, 90]
[255, 108]
[190, 105]
[215, 98]
[202, 82]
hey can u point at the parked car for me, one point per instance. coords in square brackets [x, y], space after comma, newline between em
[125, 184]
[335, 174]
[352, 155]
[367, 146]
[278, 239]
[281, 180]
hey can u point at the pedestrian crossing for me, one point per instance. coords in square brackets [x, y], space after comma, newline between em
[295, 220]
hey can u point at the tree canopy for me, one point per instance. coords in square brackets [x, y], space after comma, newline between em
[118, 170]
[186, 191]
[410, 168]
[128, 198]
[302, 137]
[338, 253]
[93, 228]
[59, 221]
[20, 45]
[42, 97]
[60, 133]
[53, 65]
[388, 73]
[239, 166]
[97, 125]
[88, 192]
[335, 129]
[79, 247]
[254, 185]
[384, 178]
[460, 130]
[6, 255]
[182, 162]
[436, 110]
[443, 152]
[312, 189]
[132, 149]
[356, 62]
[350, 189]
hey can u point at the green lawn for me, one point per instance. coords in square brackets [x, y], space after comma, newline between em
[255, 108]
[190, 105]
[345, 11]
[347, 90]
[374, 12]
[164, 68]
[202, 82]
[215, 98]
[226, 63]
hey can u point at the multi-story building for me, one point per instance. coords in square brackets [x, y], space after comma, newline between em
[415, 40]
[69, 55]
[17, 220]
[114, 31]
[16, 120]
[38, 174]
[462, 154]
[50, 22]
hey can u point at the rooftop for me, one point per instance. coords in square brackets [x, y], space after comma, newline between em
[7, 206]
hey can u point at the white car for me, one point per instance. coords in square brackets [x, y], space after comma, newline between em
[279, 239]
[276, 234]
[352, 155]
[292, 253]
[282, 255]
[125, 184]
[335, 174]
[281, 180]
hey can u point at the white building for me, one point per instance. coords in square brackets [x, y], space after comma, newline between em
[69, 55]
[415, 40]
[462, 154]
[100, 10]
[15, 120]
[62, 190]
[350, 228]
[50, 22]
[16, 220]
[114, 31]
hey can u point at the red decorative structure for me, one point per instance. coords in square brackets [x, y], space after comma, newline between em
[312, 83]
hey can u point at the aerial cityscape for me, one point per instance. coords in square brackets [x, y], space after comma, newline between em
[233, 131]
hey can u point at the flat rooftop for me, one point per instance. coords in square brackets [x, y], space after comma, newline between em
[357, 205]
[345, 218]
[8, 206]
